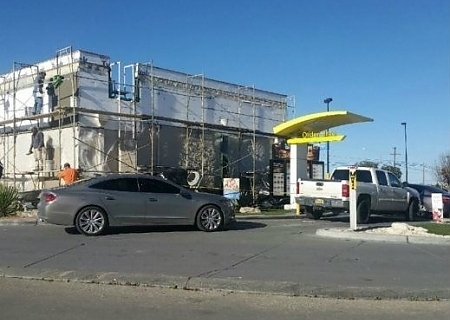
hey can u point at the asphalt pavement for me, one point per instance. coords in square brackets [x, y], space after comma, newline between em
[274, 286]
[362, 233]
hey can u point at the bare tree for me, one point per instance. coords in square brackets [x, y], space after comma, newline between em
[442, 169]
[367, 163]
[395, 170]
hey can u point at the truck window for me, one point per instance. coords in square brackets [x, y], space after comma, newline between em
[381, 177]
[340, 174]
[363, 176]
[393, 180]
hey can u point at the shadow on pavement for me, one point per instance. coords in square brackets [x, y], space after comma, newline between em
[240, 225]
[245, 225]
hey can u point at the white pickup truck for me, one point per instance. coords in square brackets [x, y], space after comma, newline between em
[377, 191]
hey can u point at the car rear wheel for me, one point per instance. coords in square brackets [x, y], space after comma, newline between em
[413, 210]
[91, 221]
[209, 218]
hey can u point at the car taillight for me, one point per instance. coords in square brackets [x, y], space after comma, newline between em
[345, 191]
[446, 199]
[49, 197]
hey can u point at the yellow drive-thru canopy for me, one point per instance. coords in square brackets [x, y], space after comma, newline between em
[306, 129]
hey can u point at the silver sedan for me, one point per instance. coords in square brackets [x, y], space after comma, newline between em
[95, 204]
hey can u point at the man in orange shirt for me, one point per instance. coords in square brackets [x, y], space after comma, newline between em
[69, 175]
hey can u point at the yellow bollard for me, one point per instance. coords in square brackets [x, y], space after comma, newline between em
[297, 209]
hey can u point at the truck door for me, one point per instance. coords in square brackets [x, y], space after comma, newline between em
[399, 194]
[384, 192]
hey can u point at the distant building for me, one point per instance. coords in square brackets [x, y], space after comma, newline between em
[108, 117]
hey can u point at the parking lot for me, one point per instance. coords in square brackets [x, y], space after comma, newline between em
[270, 255]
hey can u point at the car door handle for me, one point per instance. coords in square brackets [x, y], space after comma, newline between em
[109, 198]
[152, 199]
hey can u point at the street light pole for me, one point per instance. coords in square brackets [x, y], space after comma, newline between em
[327, 101]
[406, 152]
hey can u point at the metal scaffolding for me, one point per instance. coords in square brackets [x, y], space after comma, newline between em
[194, 88]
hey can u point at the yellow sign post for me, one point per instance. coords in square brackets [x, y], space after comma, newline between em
[353, 199]
[352, 180]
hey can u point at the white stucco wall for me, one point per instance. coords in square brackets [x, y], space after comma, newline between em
[60, 146]
[180, 97]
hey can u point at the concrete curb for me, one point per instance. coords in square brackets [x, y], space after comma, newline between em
[224, 284]
[19, 222]
[367, 236]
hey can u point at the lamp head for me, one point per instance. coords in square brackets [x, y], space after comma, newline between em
[327, 100]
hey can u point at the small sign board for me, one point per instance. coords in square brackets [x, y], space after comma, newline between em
[231, 189]
[437, 206]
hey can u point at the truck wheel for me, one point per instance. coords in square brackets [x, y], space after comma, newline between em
[413, 210]
[363, 212]
[313, 214]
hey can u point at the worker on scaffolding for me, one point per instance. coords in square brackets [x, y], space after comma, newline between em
[68, 174]
[38, 93]
[37, 148]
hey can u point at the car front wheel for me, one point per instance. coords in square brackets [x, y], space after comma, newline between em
[209, 218]
[91, 221]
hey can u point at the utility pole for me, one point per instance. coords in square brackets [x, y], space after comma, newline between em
[406, 151]
[395, 154]
[327, 102]
[423, 173]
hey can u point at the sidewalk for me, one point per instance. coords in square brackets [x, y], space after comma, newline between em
[21, 218]
[384, 234]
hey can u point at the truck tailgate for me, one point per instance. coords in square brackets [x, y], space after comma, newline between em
[321, 188]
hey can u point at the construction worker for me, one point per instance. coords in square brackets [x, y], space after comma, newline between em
[38, 93]
[68, 174]
[37, 147]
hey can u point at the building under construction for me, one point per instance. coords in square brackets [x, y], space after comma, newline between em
[103, 116]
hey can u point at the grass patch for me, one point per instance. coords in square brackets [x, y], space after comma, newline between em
[275, 211]
[442, 229]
